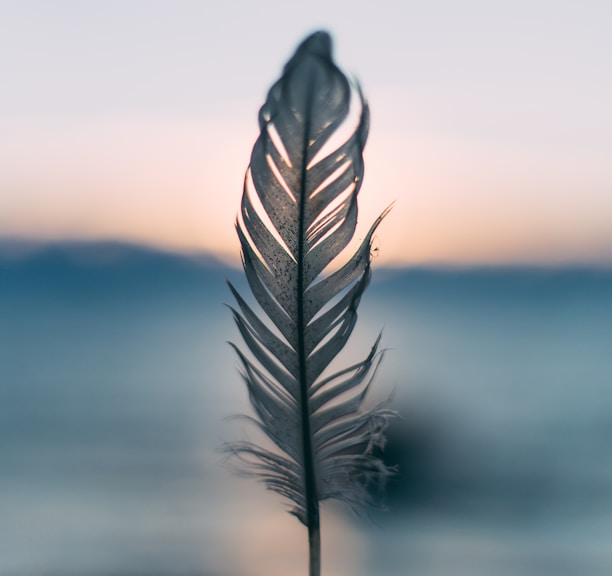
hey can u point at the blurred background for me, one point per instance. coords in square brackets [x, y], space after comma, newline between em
[125, 130]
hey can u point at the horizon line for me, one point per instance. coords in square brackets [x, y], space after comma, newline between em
[21, 247]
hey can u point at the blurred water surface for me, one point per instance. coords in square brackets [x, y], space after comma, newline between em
[115, 379]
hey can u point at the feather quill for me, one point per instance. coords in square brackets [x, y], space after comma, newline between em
[298, 213]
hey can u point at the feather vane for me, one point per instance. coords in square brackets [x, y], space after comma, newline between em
[298, 214]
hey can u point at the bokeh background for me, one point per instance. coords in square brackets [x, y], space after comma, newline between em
[125, 130]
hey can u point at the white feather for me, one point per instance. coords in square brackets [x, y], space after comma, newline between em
[297, 216]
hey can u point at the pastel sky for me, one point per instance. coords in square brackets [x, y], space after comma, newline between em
[134, 120]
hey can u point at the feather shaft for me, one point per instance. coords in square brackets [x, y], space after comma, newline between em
[305, 218]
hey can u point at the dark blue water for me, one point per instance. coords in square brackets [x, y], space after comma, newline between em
[115, 378]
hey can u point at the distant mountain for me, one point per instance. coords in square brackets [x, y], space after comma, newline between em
[14, 251]
[75, 267]
[482, 283]
[87, 268]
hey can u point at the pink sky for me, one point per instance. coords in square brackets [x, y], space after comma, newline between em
[492, 137]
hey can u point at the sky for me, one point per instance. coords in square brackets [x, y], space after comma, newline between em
[491, 124]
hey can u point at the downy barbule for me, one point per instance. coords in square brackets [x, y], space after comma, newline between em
[298, 213]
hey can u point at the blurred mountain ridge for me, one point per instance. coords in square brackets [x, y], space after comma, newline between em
[111, 255]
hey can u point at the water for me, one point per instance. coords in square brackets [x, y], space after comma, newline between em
[506, 378]
[115, 379]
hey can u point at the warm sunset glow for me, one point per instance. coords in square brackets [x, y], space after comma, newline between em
[173, 185]
[487, 160]
[178, 186]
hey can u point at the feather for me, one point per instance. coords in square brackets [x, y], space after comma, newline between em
[298, 214]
